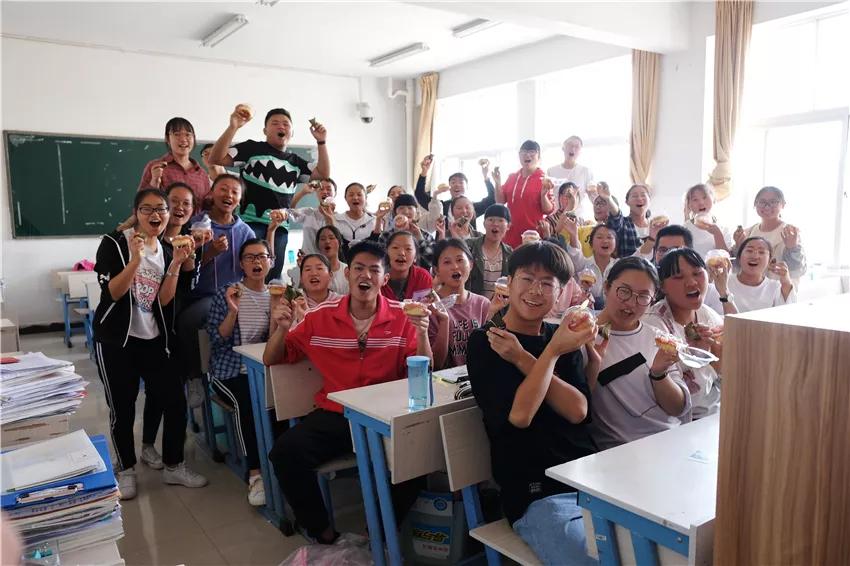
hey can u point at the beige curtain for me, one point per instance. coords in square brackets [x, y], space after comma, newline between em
[646, 71]
[425, 133]
[733, 25]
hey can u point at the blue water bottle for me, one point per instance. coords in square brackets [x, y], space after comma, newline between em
[419, 388]
[290, 257]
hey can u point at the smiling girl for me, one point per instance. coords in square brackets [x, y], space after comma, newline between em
[706, 232]
[639, 389]
[356, 223]
[603, 243]
[328, 242]
[406, 279]
[631, 230]
[132, 331]
[753, 290]
[489, 253]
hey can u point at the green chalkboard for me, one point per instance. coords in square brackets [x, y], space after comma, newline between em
[63, 185]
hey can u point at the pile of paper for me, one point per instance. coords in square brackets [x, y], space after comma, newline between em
[61, 494]
[38, 386]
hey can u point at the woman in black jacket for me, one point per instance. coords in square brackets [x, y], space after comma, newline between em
[133, 333]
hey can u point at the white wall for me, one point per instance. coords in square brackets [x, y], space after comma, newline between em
[78, 90]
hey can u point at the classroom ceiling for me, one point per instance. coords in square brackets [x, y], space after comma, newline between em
[330, 37]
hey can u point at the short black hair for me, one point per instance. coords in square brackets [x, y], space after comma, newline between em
[599, 227]
[673, 230]
[669, 265]
[372, 248]
[398, 234]
[354, 184]
[443, 245]
[456, 199]
[633, 263]
[769, 189]
[530, 145]
[565, 186]
[251, 242]
[393, 187]
[752, 239]
[458, 175]
[140, 196]
[274, 111]
[320, 257]
[224, 176]
[498, 210]
[206, 147]
[545, 255]
[329, 180]
[405, 199]
[176, 124]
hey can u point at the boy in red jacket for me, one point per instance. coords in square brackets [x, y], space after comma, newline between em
[359, 339]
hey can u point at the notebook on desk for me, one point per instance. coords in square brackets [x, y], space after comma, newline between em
[452, 375]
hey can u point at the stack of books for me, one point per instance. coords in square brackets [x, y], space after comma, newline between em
[34, 386]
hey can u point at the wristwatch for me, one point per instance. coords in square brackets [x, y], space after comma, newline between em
[657, 377]
[728, 298]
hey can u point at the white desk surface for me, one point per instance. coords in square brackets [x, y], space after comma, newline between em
[253, 351]
[6, 323]
[384, 401]
[655, 477]
[104, 554]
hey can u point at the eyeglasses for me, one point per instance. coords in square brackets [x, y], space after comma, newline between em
[768, 203]
[528, 152]
[148, 210]
[251, 258]
[643, 299]
[547, 287]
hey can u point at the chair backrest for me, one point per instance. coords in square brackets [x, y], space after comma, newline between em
[294, 387]
[93, 294]
[466, 447]
[204, 349]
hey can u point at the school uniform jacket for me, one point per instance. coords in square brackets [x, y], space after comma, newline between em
[112, 318]
[327, 337]
[475, 282]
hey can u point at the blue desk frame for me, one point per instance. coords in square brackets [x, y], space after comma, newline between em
[369, 434]
[275, 507]
[646, 534]
[67, 301]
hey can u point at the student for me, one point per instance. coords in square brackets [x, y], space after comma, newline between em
[529, 381]
[311, 219]
[639, 390]
[213, 171]
[782, 237]
[371, 339]
[392, 193]
[138, 281]
[752, 289]
[527, 194]
[450, 328]
[356, 223]
[707, 233]
[181, 202]
[239, 314]
[218, 265]
[579, 175]
[603, 242]
[406, 220]
[489, 253]
[269, 170]
[634, 228]
[460, 226]
[458, 184]
[684, 280]
[315, 280]
[177, 165]
[328, 241]
[405, 279]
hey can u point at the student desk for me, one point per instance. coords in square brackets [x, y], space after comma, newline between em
[252, 357]
[72, 289]
[386, 433]
[660, 490]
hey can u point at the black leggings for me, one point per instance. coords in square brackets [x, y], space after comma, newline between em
[120, 369]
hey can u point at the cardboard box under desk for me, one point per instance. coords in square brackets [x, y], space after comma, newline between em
[33, 430]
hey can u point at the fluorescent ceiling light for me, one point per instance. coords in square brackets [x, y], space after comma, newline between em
[411, 49]
[268, 3]
[473, 26]
[230, 27]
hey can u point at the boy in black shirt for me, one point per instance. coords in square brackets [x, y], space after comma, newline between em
[529, 381]
[269, 172]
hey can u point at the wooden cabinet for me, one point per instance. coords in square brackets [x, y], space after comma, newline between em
[783, 493]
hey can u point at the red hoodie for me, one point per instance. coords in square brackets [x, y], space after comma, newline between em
[418, 279]
[327, 337]
[522, 196]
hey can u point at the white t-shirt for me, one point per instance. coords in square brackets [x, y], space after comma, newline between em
[763, 296]
[582, 177]
[145, 289]
[311, 220]
[624, 404]
[775, 238]
[704, 240]
[703, 383]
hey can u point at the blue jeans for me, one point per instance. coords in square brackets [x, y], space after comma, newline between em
[554, 530]
[281, 236]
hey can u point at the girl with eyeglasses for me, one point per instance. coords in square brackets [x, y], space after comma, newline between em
[134, 337]
[239, 314]
[784, 238]
[683, 313]
[638, 389]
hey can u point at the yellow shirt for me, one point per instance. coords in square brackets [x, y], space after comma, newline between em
[583, 235]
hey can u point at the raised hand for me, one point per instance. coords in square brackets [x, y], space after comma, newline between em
[319, 132]
[233, 295]
[790, 236]
[240, 116]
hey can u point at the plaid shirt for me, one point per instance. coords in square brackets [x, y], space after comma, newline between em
[627, 237]
[224, 362]
[424, 247]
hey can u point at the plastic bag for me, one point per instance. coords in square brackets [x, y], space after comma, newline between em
[348, 550]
